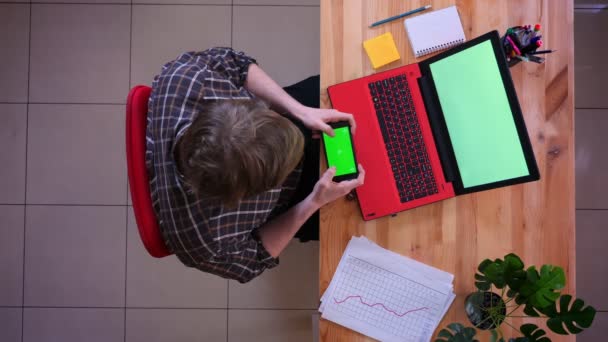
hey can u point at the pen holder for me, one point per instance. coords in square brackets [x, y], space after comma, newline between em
[520, 44]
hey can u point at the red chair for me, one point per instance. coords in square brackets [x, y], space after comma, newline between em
[147, 223]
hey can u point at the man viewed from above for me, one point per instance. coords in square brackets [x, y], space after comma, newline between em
[233, 181]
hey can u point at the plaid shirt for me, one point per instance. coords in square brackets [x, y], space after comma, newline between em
[200, 232]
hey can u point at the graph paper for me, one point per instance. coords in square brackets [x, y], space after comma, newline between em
[383, 304]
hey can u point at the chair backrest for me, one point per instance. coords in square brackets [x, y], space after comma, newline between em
[147, 223]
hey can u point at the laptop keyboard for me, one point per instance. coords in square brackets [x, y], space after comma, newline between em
[403, 138]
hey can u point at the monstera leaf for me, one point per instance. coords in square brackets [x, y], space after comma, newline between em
[576, 317]
[539, 289]
[501, 273]
[531, 311]
[481, 281]
[458, 333]
[532, 333]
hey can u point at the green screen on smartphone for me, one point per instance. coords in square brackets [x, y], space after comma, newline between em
[478, 116]
[340, 152]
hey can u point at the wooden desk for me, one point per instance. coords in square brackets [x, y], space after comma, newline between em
[534, 220]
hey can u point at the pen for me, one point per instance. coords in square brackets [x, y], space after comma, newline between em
[515, 49]
[400, 16]
[540, 52]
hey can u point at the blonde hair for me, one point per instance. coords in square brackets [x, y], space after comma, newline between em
[238, 148]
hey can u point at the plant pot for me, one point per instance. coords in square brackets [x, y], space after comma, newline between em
[481, 306]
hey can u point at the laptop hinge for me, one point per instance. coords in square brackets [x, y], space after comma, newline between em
[439, 133]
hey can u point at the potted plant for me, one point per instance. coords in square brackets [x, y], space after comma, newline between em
[504, 287]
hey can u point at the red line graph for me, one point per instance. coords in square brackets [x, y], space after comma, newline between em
[378, 304]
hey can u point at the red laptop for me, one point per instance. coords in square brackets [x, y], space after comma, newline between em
[444, 127]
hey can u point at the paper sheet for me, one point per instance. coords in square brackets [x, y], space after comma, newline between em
[386, 296]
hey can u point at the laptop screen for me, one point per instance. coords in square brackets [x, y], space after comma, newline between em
[478, 117]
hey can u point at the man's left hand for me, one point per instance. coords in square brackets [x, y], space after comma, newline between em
[317, 120]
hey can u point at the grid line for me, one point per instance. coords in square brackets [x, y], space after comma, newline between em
[68, 205]
[127, 188]
[27, 125]
[153, 308]
[80, 103]
[151, 4]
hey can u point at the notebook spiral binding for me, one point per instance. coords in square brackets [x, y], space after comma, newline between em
[438, 47]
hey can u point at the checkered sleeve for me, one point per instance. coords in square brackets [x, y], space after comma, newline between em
[241, 260]
[234, 65]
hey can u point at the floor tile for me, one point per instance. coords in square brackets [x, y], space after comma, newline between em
[278, 2]
[293, 284]
[12, 158]
[270, 325]
[10, 324]
[88, 1]
[176, 325]
[591, 165]
[64, 324]
[166, 282]
[315, 317]
[590, 67]
[14, 35]
[180, 29]
[80, 53]
[598, 331]
[578, 3]
[283, 39]
[76, 154]
[591, 266]
[184, 2]
[11, 255]
[75, 256]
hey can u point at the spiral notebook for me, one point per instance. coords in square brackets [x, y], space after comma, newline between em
[435, 31]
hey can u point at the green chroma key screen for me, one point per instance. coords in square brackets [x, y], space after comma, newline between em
[339, 151]
[478, 116]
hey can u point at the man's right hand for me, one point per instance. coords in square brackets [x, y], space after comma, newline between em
[326, 190]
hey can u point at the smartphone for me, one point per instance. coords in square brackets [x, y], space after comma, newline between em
[340, 152]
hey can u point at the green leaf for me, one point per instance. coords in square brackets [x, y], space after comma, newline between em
[495, 272]
[539, 289]
[482, 283]
[576, 317]
[456, 327]
[501, 273]
[533, 333]
[531, 311]
[482, 266]
[444, 333]
[469, 333]
[514, 275]
[458, 333]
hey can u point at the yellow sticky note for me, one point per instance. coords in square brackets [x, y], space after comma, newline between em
[381, 50]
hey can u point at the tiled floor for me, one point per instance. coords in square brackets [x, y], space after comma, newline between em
[72, 267]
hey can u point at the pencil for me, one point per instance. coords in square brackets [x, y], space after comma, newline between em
[400, 16]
